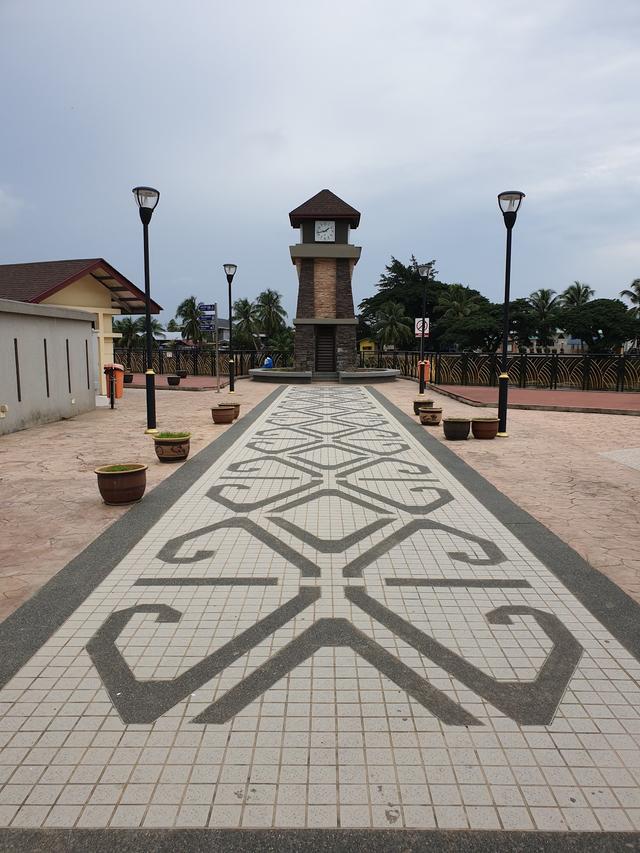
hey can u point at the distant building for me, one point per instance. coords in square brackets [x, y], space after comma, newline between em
[89, 284]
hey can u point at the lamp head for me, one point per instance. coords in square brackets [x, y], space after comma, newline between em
[230, 270]
[509, 203]
[147, 199]
[424, 270]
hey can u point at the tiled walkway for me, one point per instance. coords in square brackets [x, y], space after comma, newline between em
[325, 628]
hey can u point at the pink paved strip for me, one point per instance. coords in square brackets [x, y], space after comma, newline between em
[606, 401]
[191, 383]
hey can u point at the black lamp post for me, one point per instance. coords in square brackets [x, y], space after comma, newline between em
[230, 270]
[509, 205]
[425, 274]
[147, 199]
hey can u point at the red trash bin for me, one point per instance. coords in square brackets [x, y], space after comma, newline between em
[117, 370]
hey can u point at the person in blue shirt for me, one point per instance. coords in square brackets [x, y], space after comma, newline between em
[268, 362]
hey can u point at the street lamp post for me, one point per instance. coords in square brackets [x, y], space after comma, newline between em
[147, 199]
[509, 203]
[425, 274]
[230, 271]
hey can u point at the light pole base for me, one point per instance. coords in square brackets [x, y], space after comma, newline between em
[151, 431]
[502, 435]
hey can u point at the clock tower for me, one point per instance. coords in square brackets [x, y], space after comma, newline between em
[325, 322]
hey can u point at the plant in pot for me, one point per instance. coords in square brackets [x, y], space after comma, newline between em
[484, 428]
[421, 402]
[430, 415]
[173, 379]
[456, 429]
[122, 484]
[223, 414]
[172, 446]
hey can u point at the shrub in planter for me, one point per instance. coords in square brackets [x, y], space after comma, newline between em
[173, 379]
[484, 427]
[430, 415]
[223, 414]
[456, 429]
[121, 484]
[128, 378]
[172, 446]
[421, 402]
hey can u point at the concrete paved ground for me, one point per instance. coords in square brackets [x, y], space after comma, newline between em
[558, 467]
[325, 621]
[50, 508]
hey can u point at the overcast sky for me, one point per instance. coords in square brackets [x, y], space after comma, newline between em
[416, 112]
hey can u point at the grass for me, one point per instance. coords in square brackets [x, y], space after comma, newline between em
[118, 469]
[182, 435]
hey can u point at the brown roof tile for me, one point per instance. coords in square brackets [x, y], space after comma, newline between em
[35, 281]
[324, 205]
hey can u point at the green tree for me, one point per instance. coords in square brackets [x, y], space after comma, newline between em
[283, 341]
[172, 326]
[401, 283]
[576, 294]
[458, 302]
[545, 307]
[392, 325]
[632, 293]
[522, 322]
[603, 324]
[188, 317]
[246, 324]
[129, 331]
[270, 312]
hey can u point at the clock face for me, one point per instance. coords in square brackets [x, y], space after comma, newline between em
[325, 231]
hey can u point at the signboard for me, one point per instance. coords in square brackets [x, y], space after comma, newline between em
[210, 309]
[419, 331]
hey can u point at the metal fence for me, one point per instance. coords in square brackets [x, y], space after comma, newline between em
[586, 372]
[198, 361]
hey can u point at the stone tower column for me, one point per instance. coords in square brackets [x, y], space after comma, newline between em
[325, 340]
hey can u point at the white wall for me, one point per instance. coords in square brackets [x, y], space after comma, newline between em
[23, 383]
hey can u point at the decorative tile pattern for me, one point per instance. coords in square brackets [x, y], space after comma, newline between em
[326, 630]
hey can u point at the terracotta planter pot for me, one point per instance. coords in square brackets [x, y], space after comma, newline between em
[173, 379]
[456, 429]
[236, 410]
[484, 428]
[181, 373]
[430, 416]
[223, 414]
[122, 487]
[421, 403]
[128, 378]
[172, 449]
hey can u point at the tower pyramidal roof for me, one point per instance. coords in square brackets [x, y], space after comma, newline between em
[324, 205]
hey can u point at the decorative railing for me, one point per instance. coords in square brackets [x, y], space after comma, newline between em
[198, 361]
[586, 372]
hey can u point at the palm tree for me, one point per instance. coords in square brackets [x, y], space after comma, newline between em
[189, 316]
[246, 325]
[129, 331]
[282, 342]
[632, 293]
[157, 329]
[392, 325]
[576, 294]
[457, 303]
[269, 312]
[545, 310]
